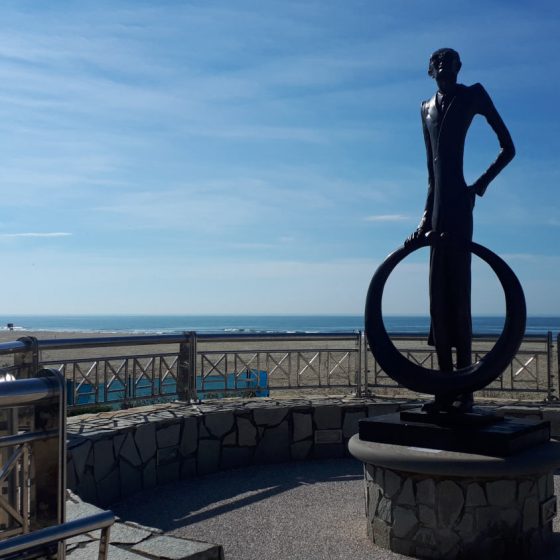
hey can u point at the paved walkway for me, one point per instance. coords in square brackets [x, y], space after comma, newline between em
[298, 511]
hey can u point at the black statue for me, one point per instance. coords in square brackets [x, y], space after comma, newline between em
[446, 118]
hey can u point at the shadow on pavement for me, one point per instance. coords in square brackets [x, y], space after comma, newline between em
[191, 501]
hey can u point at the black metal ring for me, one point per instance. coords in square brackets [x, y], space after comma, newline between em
[436, 382]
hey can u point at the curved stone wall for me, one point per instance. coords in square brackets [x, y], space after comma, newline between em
[461, 517]
[113, 455]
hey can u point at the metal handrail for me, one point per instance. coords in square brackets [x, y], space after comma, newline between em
[13, 347]
[266, 337]
[28, 391]
[30, 437]
[20, 346]
[103, 342]
[57, 533]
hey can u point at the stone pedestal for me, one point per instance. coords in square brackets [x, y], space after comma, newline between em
[429, 503]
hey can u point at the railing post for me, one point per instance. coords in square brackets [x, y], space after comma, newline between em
[557, 362]
[27, 362]
[551, 389]
[186, 368]
[558, 357]
[359, 364]
[8, 487]
[50, 458]
[365, 364]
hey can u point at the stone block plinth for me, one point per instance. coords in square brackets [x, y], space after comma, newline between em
[428, 503]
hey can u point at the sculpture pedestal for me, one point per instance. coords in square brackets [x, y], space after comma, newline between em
[430, 503]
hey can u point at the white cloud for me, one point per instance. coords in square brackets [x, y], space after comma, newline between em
[388, 218]
[532, 257]
[37, 234]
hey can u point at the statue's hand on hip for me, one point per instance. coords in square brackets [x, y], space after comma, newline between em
[479, 187]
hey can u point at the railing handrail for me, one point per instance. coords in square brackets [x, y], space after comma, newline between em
[13, 347]
[476, 336]
[23, 392]
[222, 337]
[20, 346]
[57, 533]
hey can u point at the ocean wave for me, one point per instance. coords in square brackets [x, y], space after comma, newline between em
[238, 325]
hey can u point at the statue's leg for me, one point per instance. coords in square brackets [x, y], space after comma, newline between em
[439, 307]
[445, 357]
[463, 322]
[464, 355]
[440, 332]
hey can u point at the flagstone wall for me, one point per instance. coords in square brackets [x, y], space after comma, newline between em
[113, 455]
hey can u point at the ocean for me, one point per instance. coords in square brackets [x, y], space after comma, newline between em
[169, 324]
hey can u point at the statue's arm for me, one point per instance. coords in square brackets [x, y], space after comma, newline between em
[507, 149]
[425, 224]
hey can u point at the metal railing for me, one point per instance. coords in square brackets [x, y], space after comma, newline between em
[190, 366]
[33, 469]
[198, 366]
[279, 362]
[531, 374]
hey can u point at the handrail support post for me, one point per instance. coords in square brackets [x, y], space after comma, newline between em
[27, 362]
[186, 368]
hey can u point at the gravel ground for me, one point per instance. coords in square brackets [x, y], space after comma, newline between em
[298, 511]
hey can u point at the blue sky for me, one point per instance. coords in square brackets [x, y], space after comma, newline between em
[260, 156]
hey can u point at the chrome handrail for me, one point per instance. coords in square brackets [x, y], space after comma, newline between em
[57, 533]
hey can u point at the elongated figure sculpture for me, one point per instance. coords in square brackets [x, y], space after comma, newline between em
[446, 118]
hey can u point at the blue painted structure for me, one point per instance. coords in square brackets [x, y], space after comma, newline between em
[254, 381]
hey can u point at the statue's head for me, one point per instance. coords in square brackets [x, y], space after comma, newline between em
[444, 66]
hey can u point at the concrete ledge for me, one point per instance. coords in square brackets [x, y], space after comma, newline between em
[539, 459]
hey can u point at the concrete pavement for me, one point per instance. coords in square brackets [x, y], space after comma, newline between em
[310, 510]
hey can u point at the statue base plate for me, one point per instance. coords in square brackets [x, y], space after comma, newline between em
[475, 432]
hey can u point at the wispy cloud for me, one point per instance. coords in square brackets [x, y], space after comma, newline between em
[37, 234]
[250, 246]
[280, 242]
[388, 218]
[228, 138]
[532, 258]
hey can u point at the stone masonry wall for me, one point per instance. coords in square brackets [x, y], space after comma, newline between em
[113, 455]
[448, 518]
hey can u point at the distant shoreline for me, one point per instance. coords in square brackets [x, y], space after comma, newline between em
[70, 326]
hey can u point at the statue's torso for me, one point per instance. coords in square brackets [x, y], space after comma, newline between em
[453, 202]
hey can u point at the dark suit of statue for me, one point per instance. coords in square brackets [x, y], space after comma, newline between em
[449, 208]
[446, 118]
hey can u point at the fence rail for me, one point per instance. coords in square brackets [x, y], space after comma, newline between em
[191, 366]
